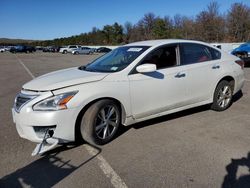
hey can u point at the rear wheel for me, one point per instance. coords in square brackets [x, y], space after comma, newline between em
[222, 96]
[100, 122]
[65, 51]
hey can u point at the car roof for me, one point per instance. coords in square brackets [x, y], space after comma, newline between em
[162, 42]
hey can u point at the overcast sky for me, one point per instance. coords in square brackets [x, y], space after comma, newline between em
[49, 19]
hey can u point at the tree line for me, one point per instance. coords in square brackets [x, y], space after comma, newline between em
[208, 25]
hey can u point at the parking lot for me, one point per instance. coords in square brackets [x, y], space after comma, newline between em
[193, 148]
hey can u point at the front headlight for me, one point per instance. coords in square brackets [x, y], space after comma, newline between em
[57, 102]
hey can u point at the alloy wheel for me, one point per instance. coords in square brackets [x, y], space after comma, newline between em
[106, 122]
[224, 96]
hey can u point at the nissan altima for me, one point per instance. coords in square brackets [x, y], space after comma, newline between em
[132, 83]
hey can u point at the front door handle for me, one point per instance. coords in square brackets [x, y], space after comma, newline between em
[215, 66]
[180, 75]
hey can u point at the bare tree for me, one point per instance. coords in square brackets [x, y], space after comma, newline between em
[238, 22]
[147, 24]
[210, 25]
[128, 29]
[184, 27]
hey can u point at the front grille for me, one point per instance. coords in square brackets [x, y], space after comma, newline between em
[21, 100]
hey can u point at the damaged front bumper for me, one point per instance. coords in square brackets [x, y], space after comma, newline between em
[48, 129]
[47, 143]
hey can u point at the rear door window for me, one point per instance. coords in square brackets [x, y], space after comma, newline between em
[215, 53]
[197, 53]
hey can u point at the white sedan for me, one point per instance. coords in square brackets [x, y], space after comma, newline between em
[132, 83]
[2, 49]
[82, 50]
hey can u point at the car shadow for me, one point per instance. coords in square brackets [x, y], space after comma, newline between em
[231, 180]
[124, 129]
[237, 96]
[44, 172]
[156, 75]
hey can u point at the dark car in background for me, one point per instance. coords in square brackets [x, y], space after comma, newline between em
[51, 49]
[243, 52]
[22, 48]
[39, 48]
[103, 50]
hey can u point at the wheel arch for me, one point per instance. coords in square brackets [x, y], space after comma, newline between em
[84, 109]
[228, 78]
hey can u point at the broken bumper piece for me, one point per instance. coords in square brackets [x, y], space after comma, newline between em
[45, 145]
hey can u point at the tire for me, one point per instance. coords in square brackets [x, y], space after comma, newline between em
[222, 96]
[65, 51]
[96, 127]
[77, 53]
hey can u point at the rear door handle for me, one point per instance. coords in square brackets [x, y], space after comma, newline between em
[215, 66]
[180, 75]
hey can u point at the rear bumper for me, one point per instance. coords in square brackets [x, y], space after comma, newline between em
[239, 82]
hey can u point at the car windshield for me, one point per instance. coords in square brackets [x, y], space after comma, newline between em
[116, 60]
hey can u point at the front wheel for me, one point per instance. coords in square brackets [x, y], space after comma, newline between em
[222, 96]
[100, 122]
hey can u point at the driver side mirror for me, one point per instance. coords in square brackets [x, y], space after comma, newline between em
[146, 68]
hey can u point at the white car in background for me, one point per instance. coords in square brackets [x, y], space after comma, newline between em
[68, 49]
[3, 49]
[83, 50]
[132, 83]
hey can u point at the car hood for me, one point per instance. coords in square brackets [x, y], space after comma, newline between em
[246, 48]
[63, 78]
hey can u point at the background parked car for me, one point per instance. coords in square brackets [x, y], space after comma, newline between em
[103, 50]
[51, 49]
[244, 48]
[22, 48]
[83, 50]
[243, 52]
[30, 49]
[2, 49]
[68, 49]
[39, 48]
[46, 49]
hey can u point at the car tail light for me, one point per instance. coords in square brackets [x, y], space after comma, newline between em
[241, 63]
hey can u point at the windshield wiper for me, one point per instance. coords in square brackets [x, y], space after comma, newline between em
[90, 69]
[84, 67]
